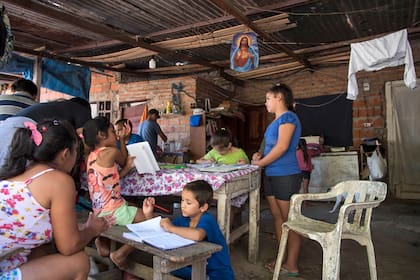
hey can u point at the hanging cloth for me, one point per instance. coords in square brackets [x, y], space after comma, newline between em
[388, 51]
[143, 116]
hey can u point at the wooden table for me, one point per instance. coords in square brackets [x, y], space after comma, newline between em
[249, 183]
[226, 186]
[165, 261]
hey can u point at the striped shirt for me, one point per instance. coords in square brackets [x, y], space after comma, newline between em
[10, 104]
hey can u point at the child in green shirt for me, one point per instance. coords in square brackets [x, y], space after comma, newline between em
[223, 152]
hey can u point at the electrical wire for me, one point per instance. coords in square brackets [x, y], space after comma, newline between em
[369, 10]
[323, 104]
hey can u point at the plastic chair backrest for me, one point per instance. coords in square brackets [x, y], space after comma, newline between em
[361, 194]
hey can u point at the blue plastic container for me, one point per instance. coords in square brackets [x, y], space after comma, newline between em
[195, 120]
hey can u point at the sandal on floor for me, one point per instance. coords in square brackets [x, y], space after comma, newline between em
[287, 273]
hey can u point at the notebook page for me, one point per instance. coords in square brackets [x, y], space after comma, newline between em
[168, 241]
[148, 226]
[150, 232]
[144, 161]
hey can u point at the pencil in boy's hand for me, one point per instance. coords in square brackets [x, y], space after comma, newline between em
[161, 208]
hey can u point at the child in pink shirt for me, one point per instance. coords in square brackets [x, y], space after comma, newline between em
[104, 174]
[305, 164]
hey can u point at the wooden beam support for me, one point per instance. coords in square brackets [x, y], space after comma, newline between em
[252, 11]
[90, 46]
[110, 32]
[91, 26]
[9, 78]
[276, 6]
[75, 61]
[218, 37]
[139, 73]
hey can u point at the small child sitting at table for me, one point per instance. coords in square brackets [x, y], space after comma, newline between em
[199, 225]
[223, 151]
[104, 182]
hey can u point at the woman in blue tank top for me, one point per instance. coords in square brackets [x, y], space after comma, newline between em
[282, 172]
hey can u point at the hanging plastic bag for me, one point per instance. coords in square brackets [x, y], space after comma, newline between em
[377, 165]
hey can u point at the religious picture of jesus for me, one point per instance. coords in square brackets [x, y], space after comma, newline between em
[244, 52]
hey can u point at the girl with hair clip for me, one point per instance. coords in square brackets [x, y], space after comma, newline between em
[282, 172]
[104, 182]
[37, 203]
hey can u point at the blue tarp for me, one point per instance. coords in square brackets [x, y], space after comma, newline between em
[20, 65]
[59, 76]
[66, 78]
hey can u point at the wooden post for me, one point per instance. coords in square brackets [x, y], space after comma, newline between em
[37, 78]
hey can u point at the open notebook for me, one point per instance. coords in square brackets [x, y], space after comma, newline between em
[145, 161]
[150, 232]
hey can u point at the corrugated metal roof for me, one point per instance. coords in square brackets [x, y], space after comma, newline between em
[124, 34]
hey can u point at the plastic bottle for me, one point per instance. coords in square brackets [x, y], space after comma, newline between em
[169, 107]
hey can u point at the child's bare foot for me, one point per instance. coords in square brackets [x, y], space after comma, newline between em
[102, 248]
[119, 260]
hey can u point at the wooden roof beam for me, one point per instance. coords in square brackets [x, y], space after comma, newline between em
[114, 34]
[139, 73]
[96, 28]
[252, 11]
[75, 61]
[89, 46]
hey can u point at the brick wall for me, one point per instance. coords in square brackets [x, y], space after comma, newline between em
[46, 95]
[156, 93]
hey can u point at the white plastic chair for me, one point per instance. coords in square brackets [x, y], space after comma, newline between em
[353, 223]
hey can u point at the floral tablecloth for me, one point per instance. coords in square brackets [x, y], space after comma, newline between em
[171, 181]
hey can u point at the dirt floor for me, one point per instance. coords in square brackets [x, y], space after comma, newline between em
[395, 231]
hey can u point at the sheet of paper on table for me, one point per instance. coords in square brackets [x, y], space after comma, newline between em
[145, 161]
[150, 232]
[198, 165]
[223, 168]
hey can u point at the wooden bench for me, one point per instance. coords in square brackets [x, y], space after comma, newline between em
[164, 261]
